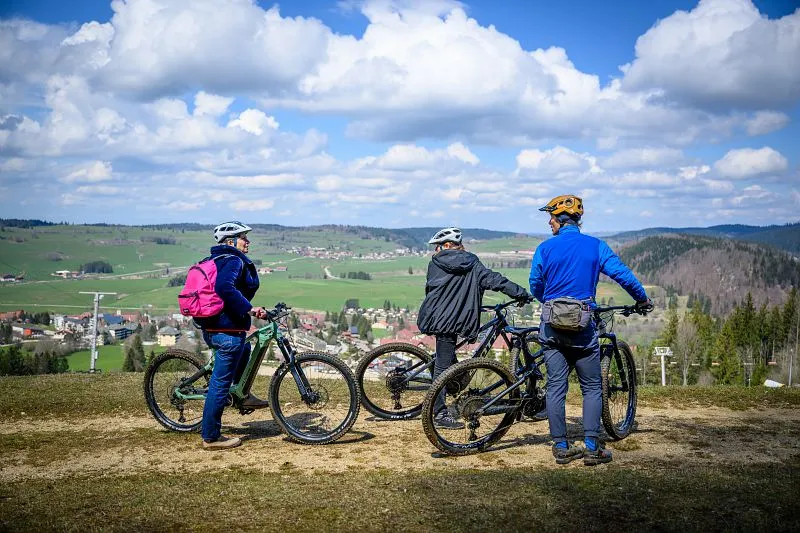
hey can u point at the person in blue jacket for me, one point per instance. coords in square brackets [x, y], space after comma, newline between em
[236, 283]
[569, 265]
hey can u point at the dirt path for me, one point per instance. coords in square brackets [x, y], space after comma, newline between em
[119, 446]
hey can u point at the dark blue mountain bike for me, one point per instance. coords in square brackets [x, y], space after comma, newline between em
[489, 397]
[395, 377]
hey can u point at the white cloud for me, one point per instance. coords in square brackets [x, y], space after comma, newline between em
[643, 157]
[554, 162]
[749, 162]
[765, 122]
[253, 205]
[721, 54]
[89, 173]
[406, 157]
[211, 104]
[254, 121]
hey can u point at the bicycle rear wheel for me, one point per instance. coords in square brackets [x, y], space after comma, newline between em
[470, 385]
[618, 378]
[330, 411]
[394, 379]
[167, 386]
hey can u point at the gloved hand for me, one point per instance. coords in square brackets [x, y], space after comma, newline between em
[645, 306]
[523, 300]
[259, 312]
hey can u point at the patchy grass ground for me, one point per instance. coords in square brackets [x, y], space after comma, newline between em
[80, 452]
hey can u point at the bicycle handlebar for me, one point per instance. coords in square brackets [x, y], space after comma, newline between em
[499, 306]
[627, 310]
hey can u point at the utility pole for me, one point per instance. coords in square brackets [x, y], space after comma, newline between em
[796, 339]
[97, 296]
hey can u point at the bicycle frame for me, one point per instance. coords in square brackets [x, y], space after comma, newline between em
[240, 389]
[534, 361]
[496, 327]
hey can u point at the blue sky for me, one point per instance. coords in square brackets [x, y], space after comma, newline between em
[400, 112]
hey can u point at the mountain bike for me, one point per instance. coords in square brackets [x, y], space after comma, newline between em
[395, 377]
[313, 396]
[489, 397]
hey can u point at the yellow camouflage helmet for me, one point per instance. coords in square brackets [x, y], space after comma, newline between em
[568, 204]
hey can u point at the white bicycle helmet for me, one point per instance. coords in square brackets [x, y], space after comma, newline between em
[446, 235]
[228, 230]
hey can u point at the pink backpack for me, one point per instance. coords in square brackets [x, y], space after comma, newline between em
[198, 299]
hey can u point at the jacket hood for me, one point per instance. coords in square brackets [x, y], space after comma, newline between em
[455, 261]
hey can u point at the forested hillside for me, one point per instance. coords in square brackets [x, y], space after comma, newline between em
[719, 270]
[785, 236]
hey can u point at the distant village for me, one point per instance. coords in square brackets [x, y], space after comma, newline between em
[349, 333]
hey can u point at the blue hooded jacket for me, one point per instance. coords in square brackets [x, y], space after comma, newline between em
[237, 283]
[570, 263]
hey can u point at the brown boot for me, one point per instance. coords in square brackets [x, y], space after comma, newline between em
[222, 443]
[254, 402]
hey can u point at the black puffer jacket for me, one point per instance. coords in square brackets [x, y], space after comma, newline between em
[454, 291]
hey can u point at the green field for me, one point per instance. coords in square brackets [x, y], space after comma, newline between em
[130, 250]
[109, 358]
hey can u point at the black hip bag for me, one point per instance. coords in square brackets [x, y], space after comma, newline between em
[566, 314]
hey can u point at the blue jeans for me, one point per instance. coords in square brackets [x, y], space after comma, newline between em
[231, 354]
[562, 353]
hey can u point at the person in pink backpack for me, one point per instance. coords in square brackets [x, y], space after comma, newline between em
[236, 284]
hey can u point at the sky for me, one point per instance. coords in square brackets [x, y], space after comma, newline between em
[400, 113]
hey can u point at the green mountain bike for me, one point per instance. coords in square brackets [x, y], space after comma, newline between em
[313, 396]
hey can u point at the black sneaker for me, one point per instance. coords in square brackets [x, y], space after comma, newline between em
[597, 457]
[567, 455]
[254, 402]
[444, 420]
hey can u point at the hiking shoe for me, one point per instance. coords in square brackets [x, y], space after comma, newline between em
[222, 443]
[445, 420]
[597, 457]
[254, 402]
[567, 455]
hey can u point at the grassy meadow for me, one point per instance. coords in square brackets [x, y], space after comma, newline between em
[142, 268]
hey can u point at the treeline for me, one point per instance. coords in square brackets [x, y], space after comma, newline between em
[178, 280]
[14, 361]
[97, 267]
[750, 344]
[356, 275]
[20, 223]
[159, 240]
[522, 263]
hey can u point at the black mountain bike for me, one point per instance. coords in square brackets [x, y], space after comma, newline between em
[313, 396]
[489, 397]
[395, 377]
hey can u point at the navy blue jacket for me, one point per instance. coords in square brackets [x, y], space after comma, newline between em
[454, 291]
[569, 264]
[237, 283]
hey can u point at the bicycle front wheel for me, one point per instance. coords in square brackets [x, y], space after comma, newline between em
[175, 388]
[469, 387]
[394, 379]
[331, 406]
[618, 372]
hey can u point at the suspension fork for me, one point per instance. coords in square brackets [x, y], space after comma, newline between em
[613, 348]
[299, 377]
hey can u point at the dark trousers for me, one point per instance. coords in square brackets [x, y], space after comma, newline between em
[562, 353]
[231, 354]
[445, 358]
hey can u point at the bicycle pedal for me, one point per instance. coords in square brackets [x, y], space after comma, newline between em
[246, 411]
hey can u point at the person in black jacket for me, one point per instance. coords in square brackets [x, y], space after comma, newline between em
[236, 283]
[451, 308]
